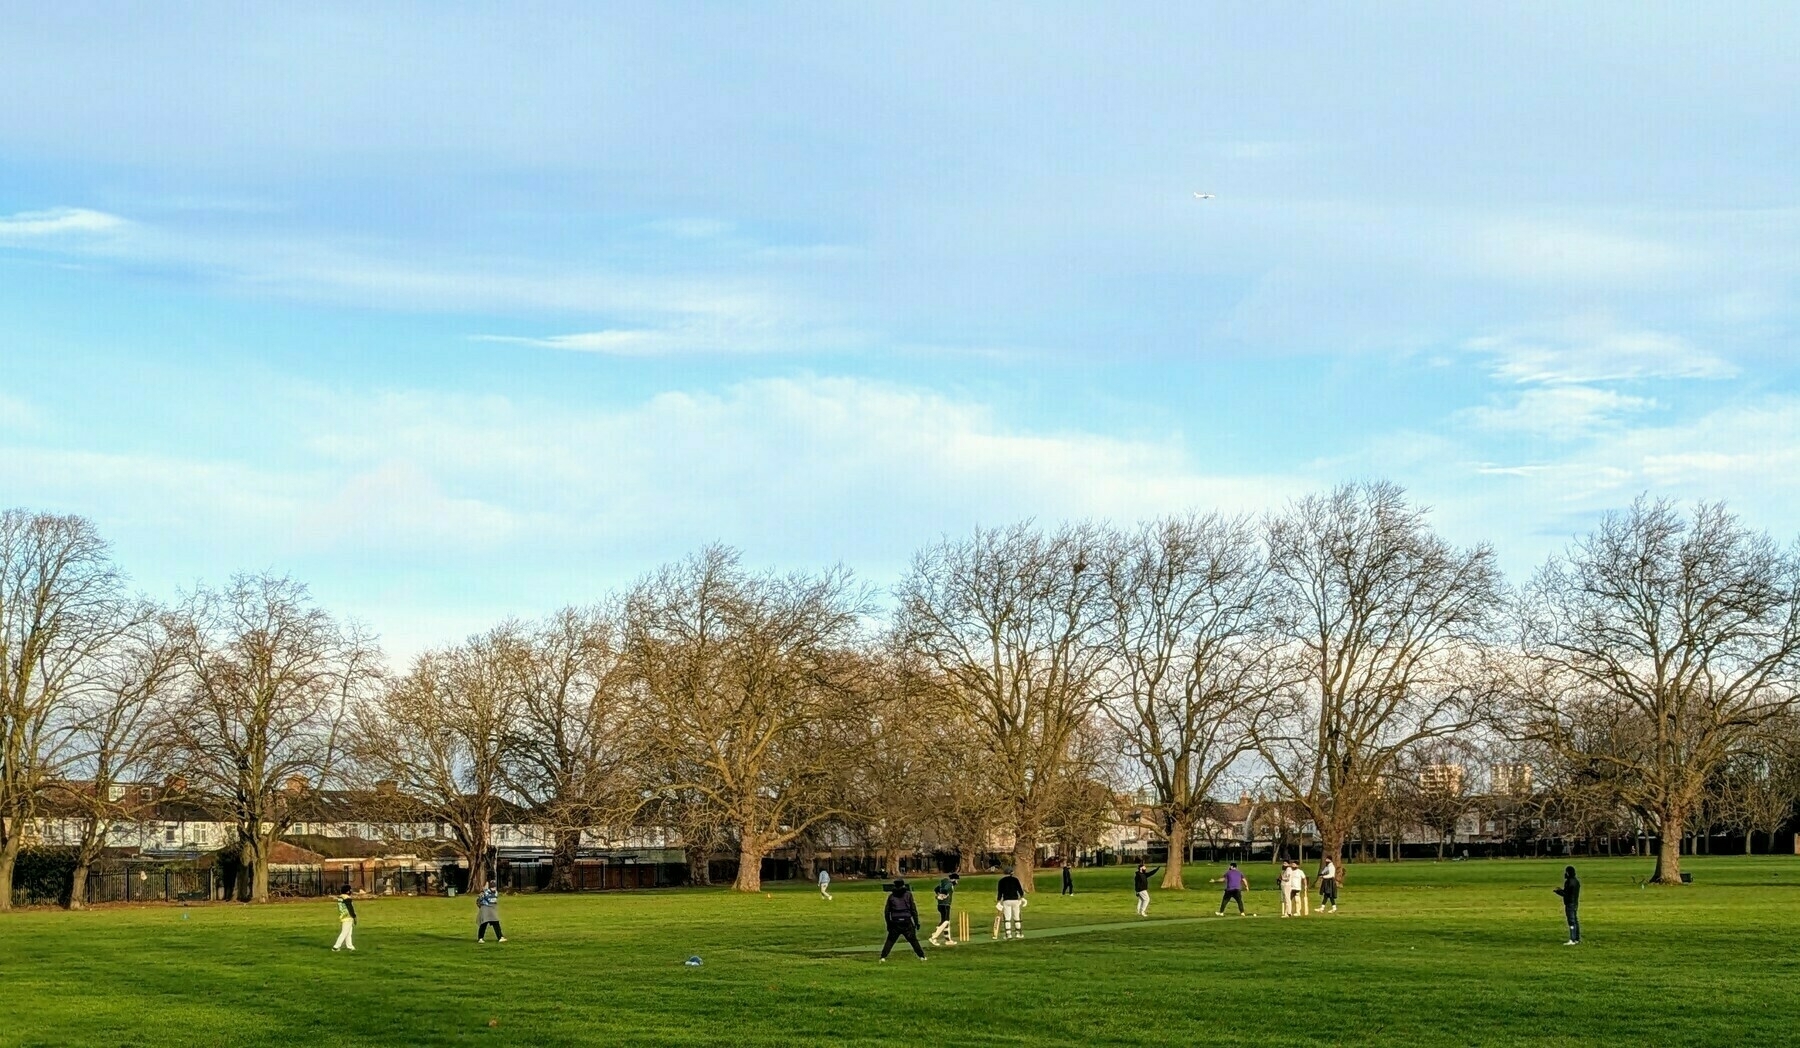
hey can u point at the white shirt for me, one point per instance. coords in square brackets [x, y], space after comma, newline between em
[1329, 872]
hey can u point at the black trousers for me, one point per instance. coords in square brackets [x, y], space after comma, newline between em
[481, 931]
[1574, 923]
[906, 930]
[1232, 895]
[1068, 886]
[1328, 890]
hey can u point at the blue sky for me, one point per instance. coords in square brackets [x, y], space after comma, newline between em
[457, 312]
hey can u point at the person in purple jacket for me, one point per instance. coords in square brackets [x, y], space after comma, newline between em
[1235, 886]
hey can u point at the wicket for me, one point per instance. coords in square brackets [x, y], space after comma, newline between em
[962, 926]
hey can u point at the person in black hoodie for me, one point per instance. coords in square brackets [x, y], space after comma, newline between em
[902, 914]
[1140, 883]
[1571, 896]
[1068, 878]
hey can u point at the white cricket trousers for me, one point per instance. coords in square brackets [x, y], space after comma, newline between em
[346, 928]
[1009, 916]
[1144, 903]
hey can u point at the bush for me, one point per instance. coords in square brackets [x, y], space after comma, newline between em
[42, 875]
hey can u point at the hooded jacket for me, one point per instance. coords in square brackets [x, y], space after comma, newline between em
[902, 910]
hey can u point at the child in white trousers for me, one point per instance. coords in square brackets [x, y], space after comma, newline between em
[346, 924]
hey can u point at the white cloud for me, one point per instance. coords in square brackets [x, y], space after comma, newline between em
[58, 221]
[1594, 351]
[397, 506]
[1558, 412]
[793, 464]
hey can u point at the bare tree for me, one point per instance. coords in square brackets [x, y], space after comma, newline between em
[569, 753]
[1008, 620]
[745, 683]
[1762, 784]
[892, 779]
[268, 680]
[442, 734]
[1679, 636]
[1385, 619]
[1437, 781]
[117, 737]
[1192, 669]
[60, 609]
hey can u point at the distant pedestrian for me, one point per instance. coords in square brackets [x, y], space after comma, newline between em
[945, 893]
[346, 923]
[1068, 878]
[825, 882]
[902, 915]
[1140, 883]
[1571, 897]
[1328, 885]
[1235, 885]
[1010, 896]
[487, 911]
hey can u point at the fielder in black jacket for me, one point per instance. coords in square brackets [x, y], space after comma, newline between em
[902, 913]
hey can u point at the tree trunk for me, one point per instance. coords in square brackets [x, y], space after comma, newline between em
[968, 860]
[1025, 862]
[1748, 834]
[1668, 852]
[9, 857]
[890, 861]
[562, 861]
[698, 865]
[78, 885]
[749, 875]
[259, 879]
[1178, 843]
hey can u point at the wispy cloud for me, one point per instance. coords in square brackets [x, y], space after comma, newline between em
[58, 221]
[1558, 412]
[1594, 350]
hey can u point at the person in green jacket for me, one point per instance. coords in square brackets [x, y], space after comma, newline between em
[346, 924]
[946, 894]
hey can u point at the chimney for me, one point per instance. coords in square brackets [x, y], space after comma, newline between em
[296, 784]
[1243, 796]
[387, 787]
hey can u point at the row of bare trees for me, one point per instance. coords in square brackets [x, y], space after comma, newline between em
[1019, 678]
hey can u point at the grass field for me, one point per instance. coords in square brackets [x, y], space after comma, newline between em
[1422, 953]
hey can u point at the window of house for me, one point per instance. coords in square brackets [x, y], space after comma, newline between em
[144, 793]
[115, 793]
[169, 835]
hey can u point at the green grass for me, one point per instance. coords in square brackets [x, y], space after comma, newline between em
[1422, 953]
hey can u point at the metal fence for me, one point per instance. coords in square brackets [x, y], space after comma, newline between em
[151, 885]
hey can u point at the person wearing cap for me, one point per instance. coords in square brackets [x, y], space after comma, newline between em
[1010, 902]
[902, 915]
[346, 923]
[946, 896]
